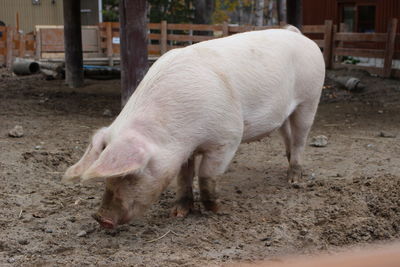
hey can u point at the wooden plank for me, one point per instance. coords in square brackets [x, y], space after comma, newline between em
[2, 44]
[187, 38]
[38, 52]
[154, 26]
[154, 49]
[360, 37]
[396, 73]
[313, 29]
[22, 45]
[237, 29]
[170, 47]
[390, 46]
[359, 52]
[154, 36]
[164, 37]
[320, 43]
[109, 48]
[9, 44]
[195, 27]
[328, 43]
[260, 28]
[225, 29]
[373, 70]
[396, 55]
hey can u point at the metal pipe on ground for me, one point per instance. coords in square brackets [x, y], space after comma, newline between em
[22, 66]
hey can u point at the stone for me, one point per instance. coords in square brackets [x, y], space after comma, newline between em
[387, 134]
[16, 132]
[81, 233]
[107, 113]
[319, 141]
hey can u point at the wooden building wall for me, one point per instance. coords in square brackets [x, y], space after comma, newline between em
[315, 12]
[48, 12]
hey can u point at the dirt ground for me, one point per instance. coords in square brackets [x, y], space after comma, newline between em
[350, 194]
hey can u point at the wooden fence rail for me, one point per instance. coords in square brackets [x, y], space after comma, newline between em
[359, 45]
[14, 44]
[101, 43]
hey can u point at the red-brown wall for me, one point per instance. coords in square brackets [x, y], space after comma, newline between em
[315, 12]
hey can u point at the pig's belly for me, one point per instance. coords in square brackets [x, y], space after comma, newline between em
[254, 131]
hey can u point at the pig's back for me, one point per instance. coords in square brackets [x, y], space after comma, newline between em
[254, 79]
[270, 71]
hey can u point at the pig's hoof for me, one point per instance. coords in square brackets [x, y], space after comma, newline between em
[211, 205]
[182, 208]
[294, 175]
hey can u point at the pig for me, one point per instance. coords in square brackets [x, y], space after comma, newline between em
[205, 99]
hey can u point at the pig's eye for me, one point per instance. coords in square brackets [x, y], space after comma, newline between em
[103, 147]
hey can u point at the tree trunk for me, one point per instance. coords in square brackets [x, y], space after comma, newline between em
[134, 63]
[281, 4]
[73, 43]
[203, 10]
[295, 12]
[240, 7]
[259, 12]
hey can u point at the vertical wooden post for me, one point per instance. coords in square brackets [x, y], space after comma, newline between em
[134, 56]
[225, 29]
[73, 43]
[10, 47]
[17, 21]
[333, 46]
[295, 12]
[22, 42]
[328, 43]
[109, 37]
[390, 47]
[164, 37]
[38, 43]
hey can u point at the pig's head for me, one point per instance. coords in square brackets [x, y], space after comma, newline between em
[124, 164]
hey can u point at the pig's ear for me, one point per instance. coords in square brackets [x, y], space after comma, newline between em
[119, 158]
[74, 173]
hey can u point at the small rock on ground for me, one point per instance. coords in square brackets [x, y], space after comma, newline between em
[82, 234]
[387, 134]
[17, 131]
[319, 141]
[107, 113]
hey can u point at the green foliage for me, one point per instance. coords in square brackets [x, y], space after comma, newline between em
[173, 11]
[110, 10]
[178, 11]
[223, 9]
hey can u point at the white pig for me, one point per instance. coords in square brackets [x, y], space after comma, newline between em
[204, 99]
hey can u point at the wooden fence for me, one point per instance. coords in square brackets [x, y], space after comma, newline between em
[14, 44]
[101, 43]
[356, 45]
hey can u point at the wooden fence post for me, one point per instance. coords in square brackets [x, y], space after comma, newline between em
[164, 36]
[22, 43]
[38, 44]
[328, 43]
[110, 52]
[333, 46]
[10, 47]
[225, 29]
[390, 47]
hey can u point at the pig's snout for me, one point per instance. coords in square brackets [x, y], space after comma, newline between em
[104, 222]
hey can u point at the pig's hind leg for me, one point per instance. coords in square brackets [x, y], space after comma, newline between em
[301, 121]
[287, 136]
[184, 194]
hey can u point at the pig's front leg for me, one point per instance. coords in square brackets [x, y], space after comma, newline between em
[184, 194]
[213, 164]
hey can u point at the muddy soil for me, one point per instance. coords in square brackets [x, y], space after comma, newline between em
[349, 196]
